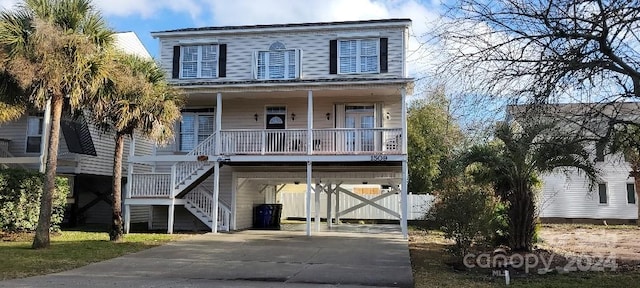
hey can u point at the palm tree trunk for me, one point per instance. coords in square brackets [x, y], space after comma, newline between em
[41, 239]
[116, 225]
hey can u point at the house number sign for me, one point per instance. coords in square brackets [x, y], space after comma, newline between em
[378, 158]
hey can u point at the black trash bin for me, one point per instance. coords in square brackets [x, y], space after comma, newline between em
[267, 216]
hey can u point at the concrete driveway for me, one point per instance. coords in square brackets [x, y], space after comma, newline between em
[340, 258]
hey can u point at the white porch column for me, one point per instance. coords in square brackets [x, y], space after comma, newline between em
[218, 147]
[337, 192]
[216, 193]
[403, 199]
[403, 93]
[318, 190]
[309, 122]
[405, 167]
[308, 198]
[44, 143]
[329, 216]
[127, 193]
[172, 210]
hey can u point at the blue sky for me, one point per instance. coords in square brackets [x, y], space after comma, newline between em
[145, 16]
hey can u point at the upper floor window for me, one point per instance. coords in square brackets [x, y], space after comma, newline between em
[34, 133]
[277, 63]
[358, 56]
[199, 61]
[353, 56]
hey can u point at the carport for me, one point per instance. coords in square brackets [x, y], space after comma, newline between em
[329, 181]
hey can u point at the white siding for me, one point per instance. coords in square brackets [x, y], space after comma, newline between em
[130, 43]
[568, 195]
[248, 196]
[314, 45]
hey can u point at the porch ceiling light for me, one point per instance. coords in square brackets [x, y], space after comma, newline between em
[255, 116]
[328, 116]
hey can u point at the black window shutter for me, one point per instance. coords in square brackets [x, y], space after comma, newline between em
[333, 56]
[222, 60]
[176, 62]
[384, 43]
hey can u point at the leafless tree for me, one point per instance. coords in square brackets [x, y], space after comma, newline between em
[543, 51]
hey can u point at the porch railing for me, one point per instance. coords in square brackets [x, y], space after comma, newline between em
[276, 141]
[324, 141]
[147, 185]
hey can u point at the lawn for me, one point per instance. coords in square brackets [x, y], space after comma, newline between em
[428, 258]
[69, 249]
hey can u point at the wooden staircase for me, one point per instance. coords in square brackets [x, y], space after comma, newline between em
[185, 180]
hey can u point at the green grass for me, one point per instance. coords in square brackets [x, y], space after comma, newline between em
[428, 259]
[69, 249]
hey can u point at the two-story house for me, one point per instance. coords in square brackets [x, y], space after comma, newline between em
[85, 155]
[321, 104]
[567, 195]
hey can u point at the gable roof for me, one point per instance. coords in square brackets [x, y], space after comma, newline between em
[391, 21]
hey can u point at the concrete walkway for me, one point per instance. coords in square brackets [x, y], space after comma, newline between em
[337, 258]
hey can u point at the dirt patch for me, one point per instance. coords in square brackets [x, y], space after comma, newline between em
[593, 242]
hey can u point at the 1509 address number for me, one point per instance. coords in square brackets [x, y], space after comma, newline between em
[378, 157]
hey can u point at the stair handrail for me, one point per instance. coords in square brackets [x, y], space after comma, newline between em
[185, 169]
[224, 209]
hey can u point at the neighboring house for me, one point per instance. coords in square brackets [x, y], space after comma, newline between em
[315, 103]
[85, 155]
[567, 196]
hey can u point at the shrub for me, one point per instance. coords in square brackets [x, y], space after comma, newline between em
[20, 192]
[466, 214]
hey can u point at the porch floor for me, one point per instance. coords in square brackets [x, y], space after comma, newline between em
[342, 257]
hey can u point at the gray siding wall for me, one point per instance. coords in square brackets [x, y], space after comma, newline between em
[314, 46]
[568, 195]
[104, 142]
[139, 214]
[247, 198]
[16, 133]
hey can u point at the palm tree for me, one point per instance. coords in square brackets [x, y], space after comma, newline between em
[625, 139]
[136, 99]
[513, 163]
[55, 51]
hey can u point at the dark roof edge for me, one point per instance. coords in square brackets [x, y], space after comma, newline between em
[290, 25]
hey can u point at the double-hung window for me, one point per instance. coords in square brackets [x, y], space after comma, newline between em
[358, 56]
[194, 129]
[278, 64]
[34, 133]
[199, 61]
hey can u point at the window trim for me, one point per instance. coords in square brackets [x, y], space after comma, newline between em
[28, 135]
[199, 61]
[195, 129]
[297, 54]
[358, 56]
[606, 194]
[635, 194]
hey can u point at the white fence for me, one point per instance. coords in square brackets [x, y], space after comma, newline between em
[293, 205]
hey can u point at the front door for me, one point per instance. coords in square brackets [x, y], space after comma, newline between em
[276, 118]
[359, 116]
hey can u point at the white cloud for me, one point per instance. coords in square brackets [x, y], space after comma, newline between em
[148, 8]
